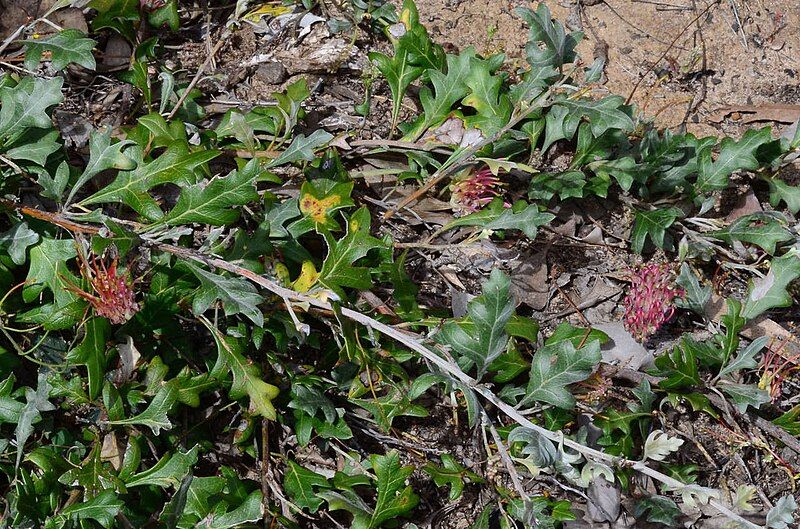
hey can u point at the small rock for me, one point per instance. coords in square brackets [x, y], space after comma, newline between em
[271, 73]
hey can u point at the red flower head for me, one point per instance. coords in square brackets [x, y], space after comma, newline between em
[475, 190]
[113, 297]
[649, 303]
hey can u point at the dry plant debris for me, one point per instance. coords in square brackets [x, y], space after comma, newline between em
[275, 264]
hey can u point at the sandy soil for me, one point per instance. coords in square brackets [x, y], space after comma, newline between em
[732, 52]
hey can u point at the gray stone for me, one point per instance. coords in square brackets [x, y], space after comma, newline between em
[271, 73]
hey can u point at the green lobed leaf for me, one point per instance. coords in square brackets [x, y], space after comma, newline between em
[745, 395]
[770, 291]
[339, 269]
[212, 203]
[176, 165]
[522, 216]
[302, 148]
[247, 379]
[659, 509]
[489, 312]
[653, 224]
[696, 296]
[492, 105]
[66, 46]
[103, 155]
[155, 415]
[91, 352]
[448, 89]
[251, 510]
[26, 105]
[300, 484]
[103, 508]
[558, 46]
[394, 497]
[556, 366]
[451, 473]
[765, 230]
[168, 472]
[18, 238]
[733, 156]
[238, 295]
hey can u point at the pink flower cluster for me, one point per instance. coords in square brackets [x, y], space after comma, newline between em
[471, 193]
[649, 303]
[114, 296]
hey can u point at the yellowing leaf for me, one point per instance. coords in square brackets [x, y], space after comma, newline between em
[319, 199]
[269, 9]
[308, 276]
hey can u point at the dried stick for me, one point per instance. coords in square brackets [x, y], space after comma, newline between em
[414, 342]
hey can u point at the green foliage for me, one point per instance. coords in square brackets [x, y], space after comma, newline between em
[653, 224]
[308, 338]
[489, 314]
[770, 291]
[557, 365]
[66, 46]
[451, 473]
[521, 216]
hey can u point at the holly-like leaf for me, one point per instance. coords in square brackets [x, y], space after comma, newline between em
[696, 296]
[491, 104]
[602, 114]
[746, 357]
[451, 473]
[733, 156]
[36, 145]
[659, 445]
[247, 379]
[168, 472]
[319, 199]
[394, 497]
[176, 165]
[448, 89]
[770, 291]
[155, 415]
[66, 46]
[249, 511]
[782, 513]
[212, 203]
[48, 269]
[554, 367]
[36, 401]
[557, 47]
[385, 409]
[238, 295]
[302, 148]
[26, 105]
[103, 508]
[300, 485]
[765, 230]
[679, 368]
[489, 312]
[659, 509]
[91, 352]
[103, 155]
[521, 216]
[789, 194]
[745, 395]
[339, 269]
[18, 239]
[653, 223]
[398, 72]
